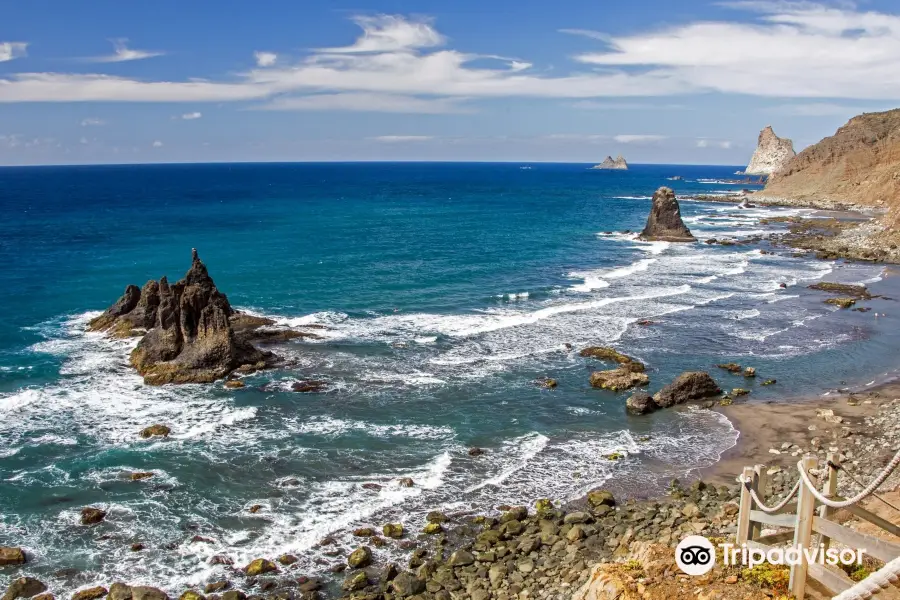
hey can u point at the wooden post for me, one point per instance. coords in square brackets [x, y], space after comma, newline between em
[829, 491]
[759, 486]
[743, 526]
[806, 504]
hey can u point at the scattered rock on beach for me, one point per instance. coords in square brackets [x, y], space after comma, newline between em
[690, 385]
[309, 386]
[476, 451]
[90, 593]
[841, 302]
[24, 587]
[360, 558]
[640, 403]
[405, 482]
[730, 367]
[260, 566]
[664, 222]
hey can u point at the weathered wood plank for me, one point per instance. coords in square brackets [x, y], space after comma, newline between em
[758, 516]
[834, 581]
[806, 506]
[880, 549]
[873, 519]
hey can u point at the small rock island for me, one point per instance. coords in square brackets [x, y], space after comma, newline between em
[618, 164]
[772, 153]
[664, 223]
[187, 328]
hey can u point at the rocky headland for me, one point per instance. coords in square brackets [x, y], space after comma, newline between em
[618, 163]
[771, 155]
[664, 222]
[189, 331]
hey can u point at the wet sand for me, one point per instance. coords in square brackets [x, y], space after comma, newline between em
[767, 425]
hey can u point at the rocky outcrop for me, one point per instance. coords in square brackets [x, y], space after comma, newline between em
[859, 165]
[640, 403]
[664, 222]
[618, 379]
[690, 385]
[772, 153]
[618, 164]
[11, 556]
[187, 330]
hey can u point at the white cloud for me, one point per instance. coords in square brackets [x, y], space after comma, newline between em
[191, 116]
[368, 102]
[638, 139]
[92, 122]
[390, 33]
[575, 137]
[12, 50]
[707, 143]
[394, 139]
[83, 140]
[122, 53]
[787, 49]
[265, 59]
[157, 144]
[792, 49]
[595, 105]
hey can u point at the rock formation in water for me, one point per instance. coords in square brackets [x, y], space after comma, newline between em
[187, 330]
[772, 153]
[664, 222]
[617, 164]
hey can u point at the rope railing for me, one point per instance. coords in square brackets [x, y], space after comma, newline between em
[868, 491]
[874, 583]
[771, 509]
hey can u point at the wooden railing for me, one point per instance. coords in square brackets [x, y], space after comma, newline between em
[803, 517]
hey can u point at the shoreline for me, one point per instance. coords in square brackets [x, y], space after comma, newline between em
[781, 422]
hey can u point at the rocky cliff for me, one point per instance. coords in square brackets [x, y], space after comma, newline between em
[186, 328]
[664, 222]
[772, 153]
[859, 164]
[617, 164]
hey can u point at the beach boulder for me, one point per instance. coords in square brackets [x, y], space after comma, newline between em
[11, 556]
[618, 379]
[640, 403]
[24, 587]
[664, 222]
[690, 385]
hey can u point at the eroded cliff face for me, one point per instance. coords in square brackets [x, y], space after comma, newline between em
[859, 164]
[772, 153]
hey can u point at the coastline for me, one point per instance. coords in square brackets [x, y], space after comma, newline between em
[601, 537]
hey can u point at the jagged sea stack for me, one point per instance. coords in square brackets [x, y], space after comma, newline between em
[189, 337]
[664, 223]
[772, 153]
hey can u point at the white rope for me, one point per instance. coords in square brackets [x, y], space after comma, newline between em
[885, 473]
[777, 507]
[874, 583]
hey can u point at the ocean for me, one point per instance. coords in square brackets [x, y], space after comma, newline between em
[445, 291]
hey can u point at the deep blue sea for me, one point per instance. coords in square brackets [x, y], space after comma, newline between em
[445, 289]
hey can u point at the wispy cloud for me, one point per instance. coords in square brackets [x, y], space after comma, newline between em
[390, 33]
[638, 138]
[600, 105]
[92, 122]
[400, 139]
[191, 116]
[798, 49]
[157, 144]
[265, 59]
[369, 102]
[706, 143]
[122, 53]
[12, 50]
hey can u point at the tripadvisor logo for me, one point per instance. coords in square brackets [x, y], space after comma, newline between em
[696, 555]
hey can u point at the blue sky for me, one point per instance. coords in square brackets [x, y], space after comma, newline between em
[573, 80]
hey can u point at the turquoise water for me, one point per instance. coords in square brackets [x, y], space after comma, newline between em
[446, 289]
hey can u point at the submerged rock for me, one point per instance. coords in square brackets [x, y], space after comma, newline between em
[154, 430]
[855, 291]
[91, 515]
[731, 367]
[189, 337]
[613, 355]
[308, 386]
[690, 385]
[664, 222]
[841, 302]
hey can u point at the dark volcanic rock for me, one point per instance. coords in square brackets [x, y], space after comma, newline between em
[640, 403]
[664, 223]
[690, 385]
[91, 515]
[189, 335]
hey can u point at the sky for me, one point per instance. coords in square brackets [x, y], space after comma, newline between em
[657, 81]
